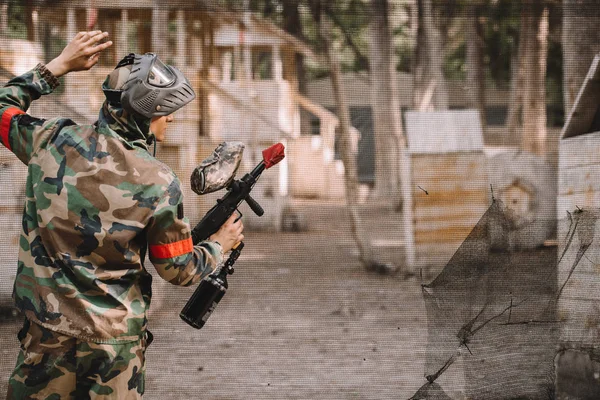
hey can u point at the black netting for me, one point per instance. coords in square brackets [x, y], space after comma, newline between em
[499, 315]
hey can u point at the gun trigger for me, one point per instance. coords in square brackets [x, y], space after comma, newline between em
[239, 215]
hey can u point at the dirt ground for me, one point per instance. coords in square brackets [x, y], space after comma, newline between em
[301, 320]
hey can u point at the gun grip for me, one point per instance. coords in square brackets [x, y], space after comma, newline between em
[258, 210]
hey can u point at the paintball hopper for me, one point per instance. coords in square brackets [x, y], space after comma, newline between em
[217, 170]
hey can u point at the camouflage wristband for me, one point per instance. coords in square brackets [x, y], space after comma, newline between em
[48, 76]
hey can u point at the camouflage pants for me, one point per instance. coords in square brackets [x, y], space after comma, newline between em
[53, 366]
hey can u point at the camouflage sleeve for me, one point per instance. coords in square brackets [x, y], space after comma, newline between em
[170, 245]
[19, 132]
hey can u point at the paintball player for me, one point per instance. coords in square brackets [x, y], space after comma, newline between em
[96, 198]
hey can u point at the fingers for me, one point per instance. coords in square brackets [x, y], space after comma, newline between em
[93, 60]
[102, 46]
[90, 41]
[236, 227]
[230, 233]
[85, 35]
[86, 49]
[234, 217]
[239, 225]
[93, 44]
[94, 37]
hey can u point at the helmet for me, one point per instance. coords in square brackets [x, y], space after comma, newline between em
[144, 85]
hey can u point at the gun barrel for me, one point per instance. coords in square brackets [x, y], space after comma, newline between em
[258, 170]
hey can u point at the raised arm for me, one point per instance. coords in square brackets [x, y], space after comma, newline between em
[22, 133]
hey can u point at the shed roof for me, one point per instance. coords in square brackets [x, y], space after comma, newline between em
[450, 131]
[584, 117]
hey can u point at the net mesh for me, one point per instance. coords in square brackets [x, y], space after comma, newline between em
[498, 316]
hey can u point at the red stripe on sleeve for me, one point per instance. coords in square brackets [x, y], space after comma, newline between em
[171, 249]
[5, 124]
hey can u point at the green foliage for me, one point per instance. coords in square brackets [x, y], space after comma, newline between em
[499, 19]
[403, 48]
[501, 23]
[455, 67]
[17, 27]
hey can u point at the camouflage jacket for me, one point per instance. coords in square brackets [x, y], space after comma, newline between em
[95, 200]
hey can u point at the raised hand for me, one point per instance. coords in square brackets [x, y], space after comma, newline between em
[80, 54]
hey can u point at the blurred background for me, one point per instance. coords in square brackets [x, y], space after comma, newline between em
[404, 122]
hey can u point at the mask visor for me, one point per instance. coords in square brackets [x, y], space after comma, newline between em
[160, 75]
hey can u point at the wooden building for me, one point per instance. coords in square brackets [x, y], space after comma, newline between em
[242, 68]
[450, 190]
[579, 194]
[578, 214]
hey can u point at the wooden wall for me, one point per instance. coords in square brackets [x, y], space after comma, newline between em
[450, 194]
[449, 181]
[579, 188]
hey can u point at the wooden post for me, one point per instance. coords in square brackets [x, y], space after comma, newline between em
[237, 62]
[247, 63]
[123, 42]
[70, 34]
[3, 18]
[35, 25]
[160, 19]
[180, 44]
[277, 64]
[226, 72]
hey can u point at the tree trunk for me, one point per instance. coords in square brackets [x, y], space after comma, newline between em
[580, 42]
[475, 76]
[345, 140]
[392, 171]
[208, 58]
[517, 72]
[293, 25]
[29, 20]
[3, 18]
[429, 88]
[384, 103]
[420, 61]
[535, 14]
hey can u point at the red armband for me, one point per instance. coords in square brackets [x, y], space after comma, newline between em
[171, 249]
[7, 116]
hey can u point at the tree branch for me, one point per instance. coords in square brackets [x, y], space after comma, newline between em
[363, 61]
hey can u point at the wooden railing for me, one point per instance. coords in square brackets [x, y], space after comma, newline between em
[328, 123]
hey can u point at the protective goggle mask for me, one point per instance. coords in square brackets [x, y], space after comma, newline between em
[152, 88]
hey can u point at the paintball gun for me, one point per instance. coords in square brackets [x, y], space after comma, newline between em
[214, 173]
